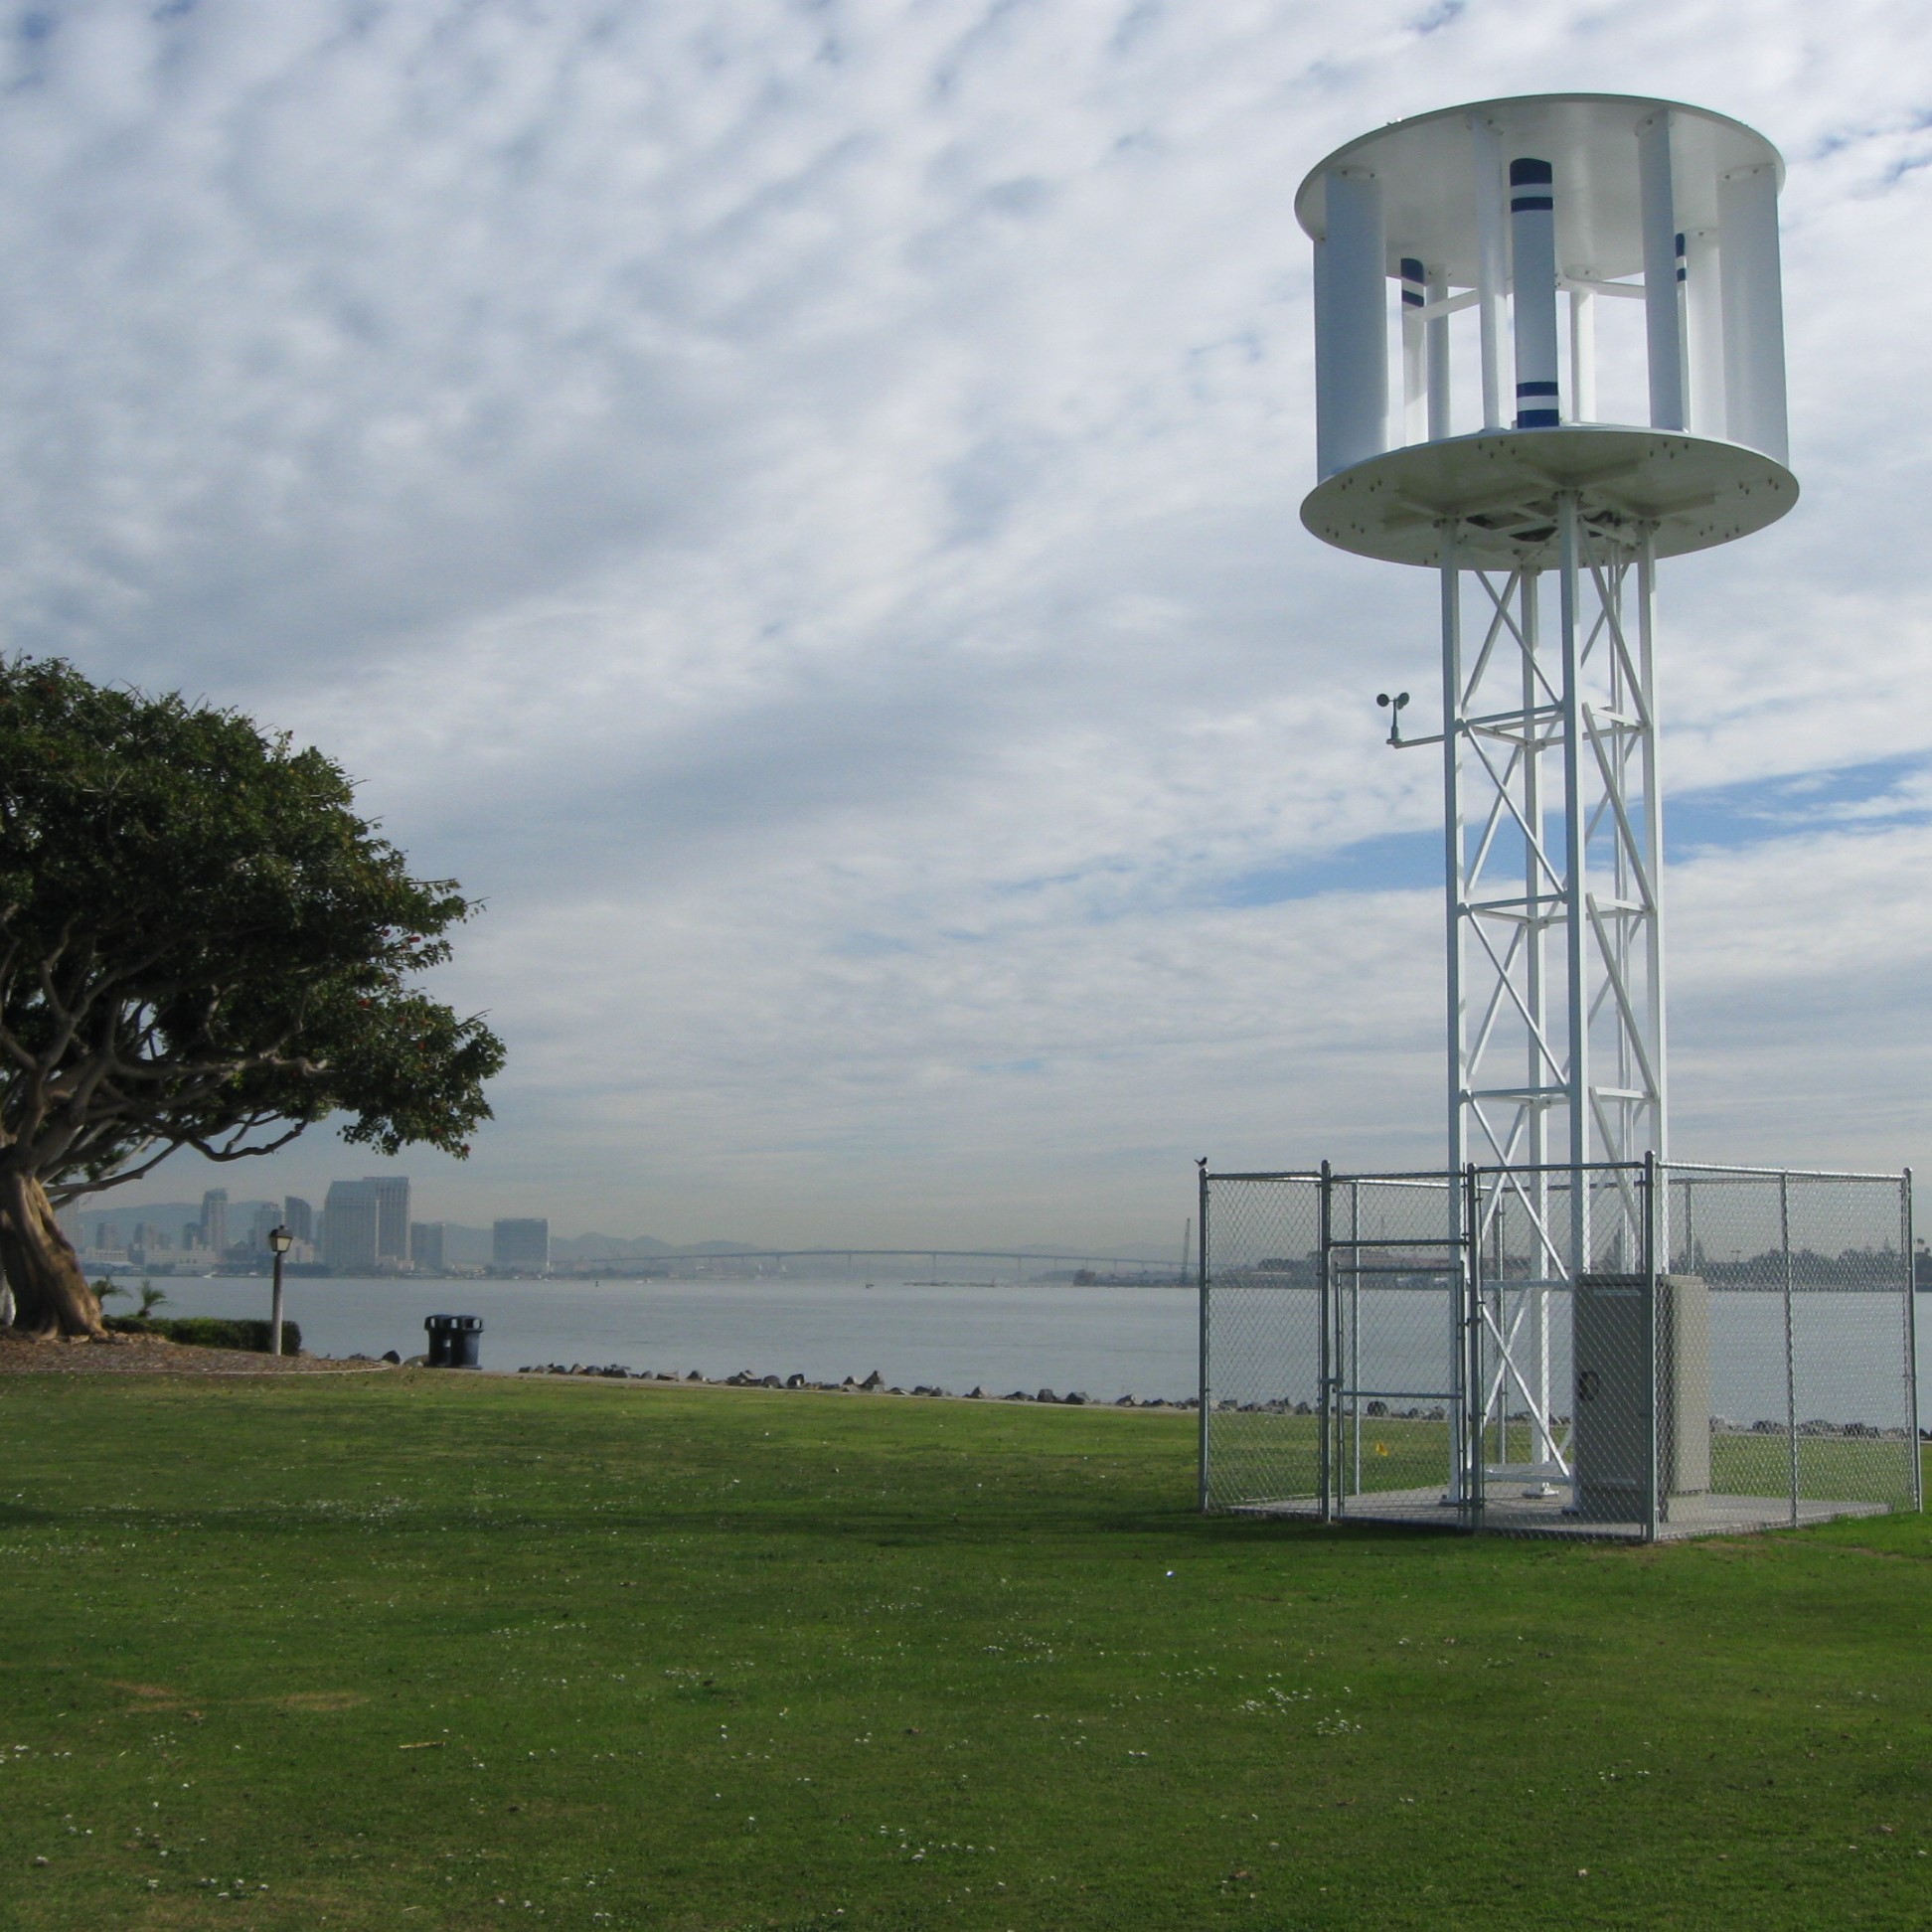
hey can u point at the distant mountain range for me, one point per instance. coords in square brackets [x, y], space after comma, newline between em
[616, 1248]
[168, 1216]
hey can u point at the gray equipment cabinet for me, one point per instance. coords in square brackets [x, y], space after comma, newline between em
[1632, 1404]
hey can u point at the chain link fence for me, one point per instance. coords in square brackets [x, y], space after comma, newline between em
[1735, 1353]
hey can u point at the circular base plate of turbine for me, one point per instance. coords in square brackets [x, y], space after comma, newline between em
[1494, 494]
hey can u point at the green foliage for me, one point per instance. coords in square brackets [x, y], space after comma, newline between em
[398, 1645]
[202, 944]
[211, 1331]
[151, 1298]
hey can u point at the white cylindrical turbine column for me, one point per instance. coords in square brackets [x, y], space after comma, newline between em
[1533, 246]
[1351, 325]
[1664, 329]
[1415, 352]
[1704, 331]
[1754, 360]
[1583, 390]
[1439, 330]
[1492, 272]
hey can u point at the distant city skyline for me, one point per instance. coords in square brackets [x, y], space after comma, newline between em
[365, 1228]
[511, 1244]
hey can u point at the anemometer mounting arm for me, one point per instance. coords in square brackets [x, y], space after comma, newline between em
[1393, 705]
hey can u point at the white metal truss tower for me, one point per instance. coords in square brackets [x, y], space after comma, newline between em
[1553, 815]
[1555, 928]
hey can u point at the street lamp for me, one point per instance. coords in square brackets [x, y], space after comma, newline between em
[281, 1240]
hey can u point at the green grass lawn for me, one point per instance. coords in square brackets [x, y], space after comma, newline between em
[445, 1652]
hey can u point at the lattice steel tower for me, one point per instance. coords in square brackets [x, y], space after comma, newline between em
[1577, 298]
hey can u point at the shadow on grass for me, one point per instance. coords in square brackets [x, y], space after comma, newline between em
[23, 1515]
[1070, 1528]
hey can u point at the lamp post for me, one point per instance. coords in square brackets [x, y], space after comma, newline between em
[281, 1240]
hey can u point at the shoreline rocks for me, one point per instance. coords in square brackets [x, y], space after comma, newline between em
[872, 1385]
[876, 1385]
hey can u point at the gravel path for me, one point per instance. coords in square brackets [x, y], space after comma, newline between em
[144, 1355]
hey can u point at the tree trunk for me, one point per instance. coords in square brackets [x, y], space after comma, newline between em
[50, 1294]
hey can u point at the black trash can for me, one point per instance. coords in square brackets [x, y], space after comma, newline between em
[455, 1341]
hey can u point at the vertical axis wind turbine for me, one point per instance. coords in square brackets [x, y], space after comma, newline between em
[1581, 295]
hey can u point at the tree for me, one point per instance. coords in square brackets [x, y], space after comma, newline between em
[202, 944]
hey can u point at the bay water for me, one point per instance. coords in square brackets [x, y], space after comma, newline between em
[1104, 1342]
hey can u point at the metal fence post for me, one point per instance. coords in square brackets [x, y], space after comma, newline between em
[1911, 1346]
[1791, 1375]
[1325, 1406]
[1204, 1386]
[1354, 1369]
[1469, 1367]
[1652, 1502]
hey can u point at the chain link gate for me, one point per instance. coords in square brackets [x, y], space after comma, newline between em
[1362, 1359]
[1334, 1328]
[1395, 1426]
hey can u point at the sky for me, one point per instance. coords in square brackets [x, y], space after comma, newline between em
[794, 503]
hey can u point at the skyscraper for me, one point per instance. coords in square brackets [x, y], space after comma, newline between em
[426, 1246]
[298, 1217]
[392, 1197]
[214, 1220]
[349, 1228]
[520, 1246]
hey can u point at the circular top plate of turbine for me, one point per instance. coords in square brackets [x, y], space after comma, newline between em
[1423, 165]
[1493, 495]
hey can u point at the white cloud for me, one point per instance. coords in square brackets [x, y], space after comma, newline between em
[797, 505]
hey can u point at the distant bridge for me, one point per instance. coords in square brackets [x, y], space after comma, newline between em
[1019, 1257]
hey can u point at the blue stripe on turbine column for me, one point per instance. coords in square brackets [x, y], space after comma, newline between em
[1531, 175]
